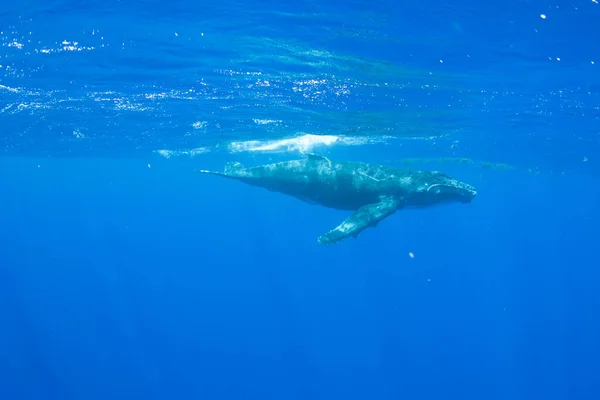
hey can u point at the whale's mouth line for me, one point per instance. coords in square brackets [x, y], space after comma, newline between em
[432, 186]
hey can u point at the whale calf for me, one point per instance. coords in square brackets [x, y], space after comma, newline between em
[373, 192]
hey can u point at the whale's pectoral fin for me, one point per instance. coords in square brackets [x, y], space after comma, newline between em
[364, 217]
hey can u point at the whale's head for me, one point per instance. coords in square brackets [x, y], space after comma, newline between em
[441, 188]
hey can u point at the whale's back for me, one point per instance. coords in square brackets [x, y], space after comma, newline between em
[340, 185]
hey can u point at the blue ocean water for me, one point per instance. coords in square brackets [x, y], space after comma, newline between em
[125, 274]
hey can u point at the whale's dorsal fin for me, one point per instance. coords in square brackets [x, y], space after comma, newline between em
[233, 168]
[364, 217]
[316, 157]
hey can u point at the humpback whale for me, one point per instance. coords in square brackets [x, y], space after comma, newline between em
[373, 192]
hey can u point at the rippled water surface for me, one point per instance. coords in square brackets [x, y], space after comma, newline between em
[514, 83]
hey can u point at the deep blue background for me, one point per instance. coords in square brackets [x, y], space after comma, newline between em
[161, 284]
[123, 274]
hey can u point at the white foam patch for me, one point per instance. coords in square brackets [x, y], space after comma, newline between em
[16, 108]
[10, 89]
[266, 121]
[302, 144]
[308, 142]
[66, 45]
[15, 44]
[200, 124]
